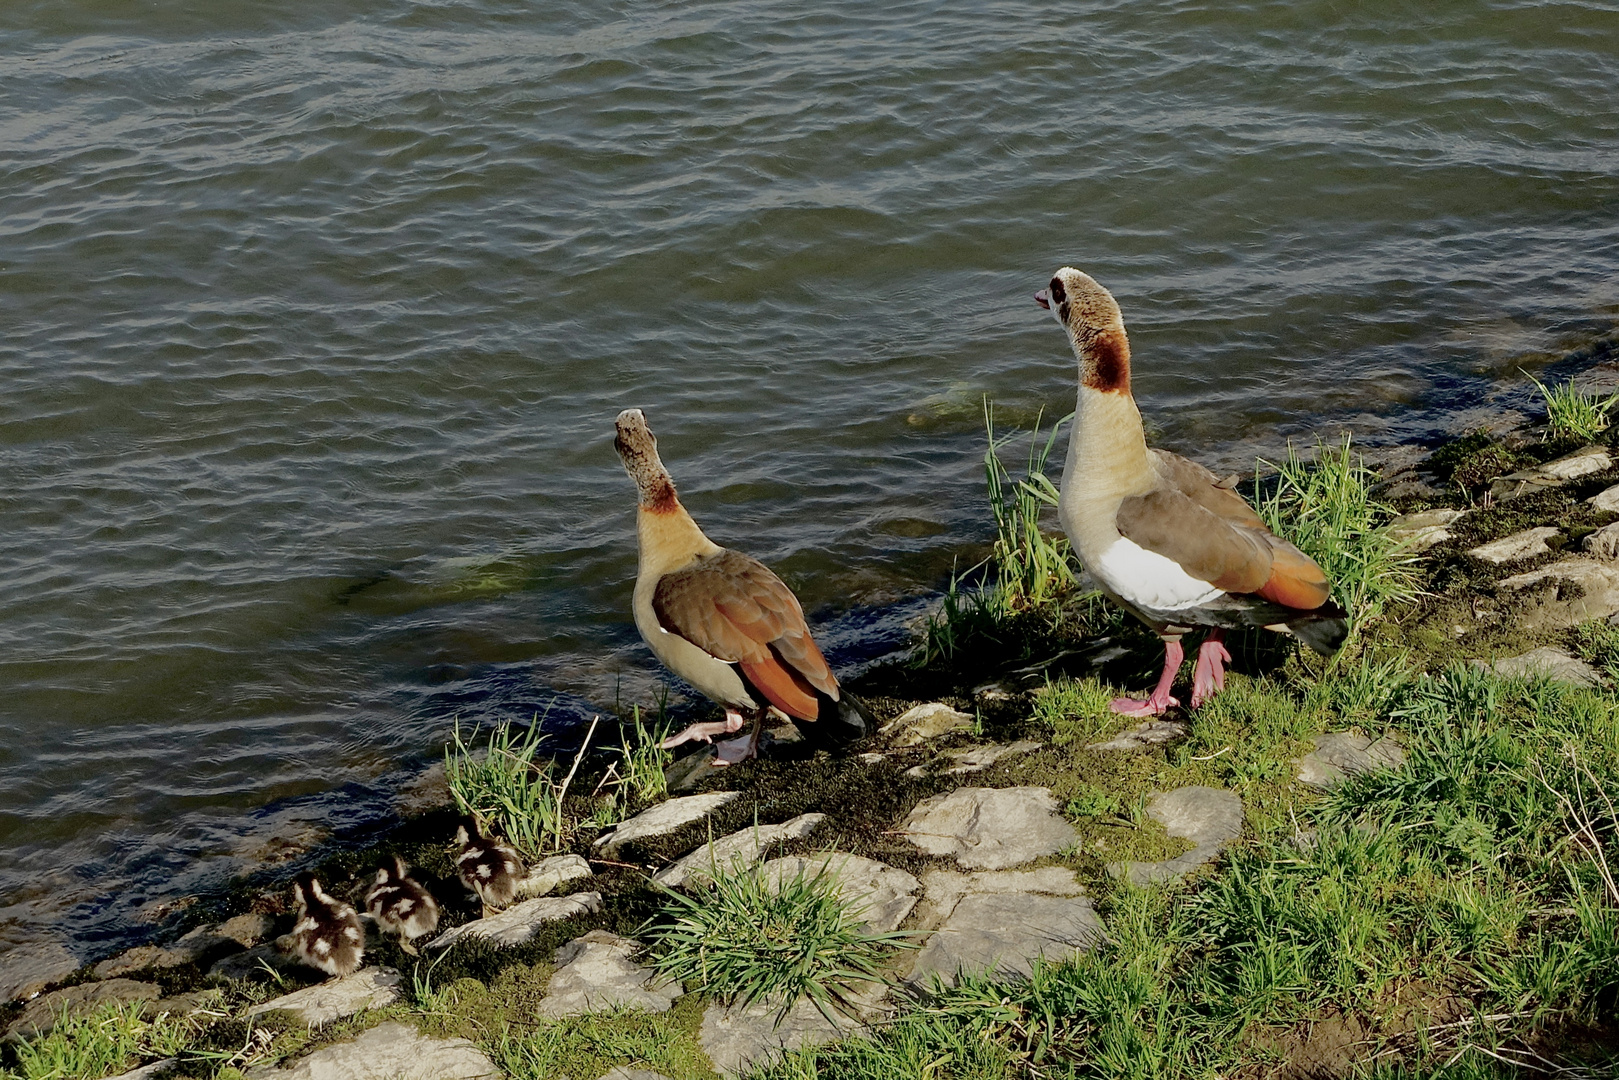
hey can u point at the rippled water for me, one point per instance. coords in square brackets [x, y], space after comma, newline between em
[316, 317]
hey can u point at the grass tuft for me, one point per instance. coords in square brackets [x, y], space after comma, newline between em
[1571, 413]
[1032, 569]
[112, 1039]
[510, 787]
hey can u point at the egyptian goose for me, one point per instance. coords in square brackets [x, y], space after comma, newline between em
[1163, 537]
[400, 905]
[491, 869]
[327, 935]
[721, 620]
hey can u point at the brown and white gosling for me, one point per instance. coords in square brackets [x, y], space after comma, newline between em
[327, 935]
[400, 905]
[491, 869]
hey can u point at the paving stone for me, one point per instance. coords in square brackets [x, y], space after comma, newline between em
[546, 875]
[1424, 529]
[1555, 664]
[1553, 474]
[917, 725]
[882, 894]
[29, 967]
[621, 1073]
[737, 1040]
[1604, 543]
[973, 759]
[664, 818]
[1342, 754]
[1566, 593]
[1209, 817]
[744, 847]
[149, 1072]
[1001, 922]
[391, 1051]
[1520, 545]
[1607, 500]
[597, 972]
[520, 922]
[1145, 734]
[41, 1014]
[990, 828]
[368, 988]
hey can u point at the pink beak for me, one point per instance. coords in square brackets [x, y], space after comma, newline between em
[1043, 298]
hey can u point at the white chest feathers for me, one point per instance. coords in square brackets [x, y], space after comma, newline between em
[1149, 580]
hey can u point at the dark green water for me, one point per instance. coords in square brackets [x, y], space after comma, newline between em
[316, 316]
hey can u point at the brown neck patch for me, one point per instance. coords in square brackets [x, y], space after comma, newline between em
[1107, 362]
[660, 498]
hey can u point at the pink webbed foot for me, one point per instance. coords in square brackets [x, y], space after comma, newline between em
[1160, 699]
[1208, 676]
[735, 751]
[705, 731]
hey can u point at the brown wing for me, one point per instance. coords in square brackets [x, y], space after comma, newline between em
[1196, 520]
[731, 606]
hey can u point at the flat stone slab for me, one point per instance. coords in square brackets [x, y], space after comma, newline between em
[548, 874]
[149, 1072]
[391, 1051]
[742, 848]
[737, 1040]
[1424, 529]
[1001, 922]
[27, 968]
[973, 759]
[1520, 545]
[597, 972]
[1555, 605]
[883, 895]
[665, 818]
[520, 922]
[1607, 500]
[41, 1014]
[1554, 664]
[1553, 474]
[197, 947]
[1209, 817]
[920, 723]
[368, 988]
[1145, 734]
[990, 828]
[619, 1072]
[1604, 543]
[1343, 754]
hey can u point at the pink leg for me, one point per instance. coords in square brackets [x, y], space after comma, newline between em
[1160, 699]
[1208, 677]
[736, 751]
[706, 731]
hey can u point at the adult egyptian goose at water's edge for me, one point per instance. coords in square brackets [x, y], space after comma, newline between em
[1163, 536]
[722, 621]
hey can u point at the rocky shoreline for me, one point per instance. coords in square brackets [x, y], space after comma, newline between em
[989, 818]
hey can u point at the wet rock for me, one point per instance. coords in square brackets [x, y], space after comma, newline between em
[519, 922]
[1424, 529]
[1520, 545]
[664, 818]
[1566, 593]
[1554, 664]
[391, 1051]
[596, 972]
[995, 693]
[1604, 543]
[989, 828]
[881, 894]
[1342, 754]
[1607, 500]
[917, 725]
[738, 1039]
[1001, 921]
[252, 963]
[1553, 474]
[973, 759]
[42, 1013]
[247, 930]
[1145, 734]
[368, 988]
[199, 947]
[1209, 817]
[744, 847]
[27, 968]
[427, 791]
[546, 875]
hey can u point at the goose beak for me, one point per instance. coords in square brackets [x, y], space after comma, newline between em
[1043, 298]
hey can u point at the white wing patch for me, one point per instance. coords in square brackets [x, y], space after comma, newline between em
[1149, 580]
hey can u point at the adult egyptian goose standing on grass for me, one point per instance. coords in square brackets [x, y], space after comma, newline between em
[1166, 539]
[722, 621]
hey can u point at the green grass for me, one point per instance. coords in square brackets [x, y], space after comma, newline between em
[1571, 413]
[591, 1045]
[1325, 507]
[744, 937]
[114, 1038]
[1032, 568]
[510, 787]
